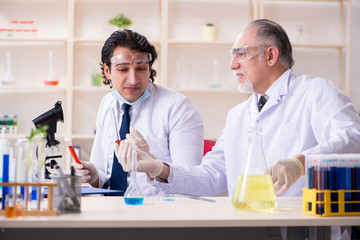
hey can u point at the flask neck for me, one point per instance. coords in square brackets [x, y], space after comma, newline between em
[255, 160]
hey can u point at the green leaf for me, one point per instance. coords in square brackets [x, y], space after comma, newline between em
[38, 130]
[120, 21]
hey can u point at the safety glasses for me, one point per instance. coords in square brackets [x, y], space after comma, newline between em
[241, 54]
[127, 59]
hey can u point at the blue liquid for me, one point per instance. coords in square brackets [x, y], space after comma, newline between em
[5, 178]
[134, 200]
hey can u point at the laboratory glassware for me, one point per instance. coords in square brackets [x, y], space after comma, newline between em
[9, 77]
[4, 164]
[21, 151]
[67, 195]
[14, 206]
[51, 79]
[133, 195]
[72, 150]
[215, 82]
[254, 190]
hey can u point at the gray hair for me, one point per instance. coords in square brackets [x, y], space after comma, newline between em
[272, 34]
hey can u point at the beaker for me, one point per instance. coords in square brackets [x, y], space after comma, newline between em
[254, 190]
[133, 195]
[67, 194]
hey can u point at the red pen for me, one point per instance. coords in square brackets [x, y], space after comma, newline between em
[72, 151]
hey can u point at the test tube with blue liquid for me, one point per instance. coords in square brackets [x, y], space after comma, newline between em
[333, 180]
[347, 186]
[5, 164]
[133, 195]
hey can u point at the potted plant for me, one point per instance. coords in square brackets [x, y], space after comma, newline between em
[41, 155]
[120, 21]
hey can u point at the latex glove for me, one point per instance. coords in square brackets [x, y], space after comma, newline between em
[146, 163]
[135, 137]
[87, 170]
[285, 173]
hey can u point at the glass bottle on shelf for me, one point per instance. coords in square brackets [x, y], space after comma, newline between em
[9, 77]
[300, 34]
[215, 84]
[254, 190]
[51, 79]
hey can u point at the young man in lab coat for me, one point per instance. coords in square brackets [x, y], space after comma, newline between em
[169, 121]
[302, 115]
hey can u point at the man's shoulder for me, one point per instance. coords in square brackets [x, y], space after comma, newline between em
[160, 92]
[311, 81]
[106, 101]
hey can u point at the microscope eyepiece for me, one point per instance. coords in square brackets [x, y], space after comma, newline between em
[50, 118]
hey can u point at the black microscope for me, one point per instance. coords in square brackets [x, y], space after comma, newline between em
[50, 118]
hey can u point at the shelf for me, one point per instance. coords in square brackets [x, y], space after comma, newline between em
[89, 40]
[34, 40]
[217, 91]
[174, 42]
[12, 137]
[210, 43]
[325, 45]
[31, 89]
[83, 136]
[300, 1]
[99, 89]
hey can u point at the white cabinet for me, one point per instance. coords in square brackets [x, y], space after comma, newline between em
[75, 30]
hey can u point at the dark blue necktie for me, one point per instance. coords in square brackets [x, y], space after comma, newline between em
[118, 179]
[263, 99]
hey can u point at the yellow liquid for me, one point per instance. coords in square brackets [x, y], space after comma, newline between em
[254, 193]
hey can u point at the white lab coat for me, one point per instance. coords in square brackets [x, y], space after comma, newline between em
[169, 122]
[303, 115]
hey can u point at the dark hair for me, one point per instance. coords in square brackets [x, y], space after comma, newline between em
[272, 34]
[128, 39]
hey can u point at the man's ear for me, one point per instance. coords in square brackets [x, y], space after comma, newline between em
[107, 72]
[272, 55]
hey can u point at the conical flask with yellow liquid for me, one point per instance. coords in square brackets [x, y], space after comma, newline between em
[254, 190]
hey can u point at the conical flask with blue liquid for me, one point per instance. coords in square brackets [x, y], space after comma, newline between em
[133, 195]
[254, 190]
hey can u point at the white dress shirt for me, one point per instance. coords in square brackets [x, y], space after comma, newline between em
[169, 122]
[303, 115]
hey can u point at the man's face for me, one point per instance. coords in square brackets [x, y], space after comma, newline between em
[247, 61]
[130, 72]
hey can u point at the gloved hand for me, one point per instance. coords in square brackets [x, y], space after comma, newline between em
[87, 170]
[135, 137]
[145, 162]
[285, 172]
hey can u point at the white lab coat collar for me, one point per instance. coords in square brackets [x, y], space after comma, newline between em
[279, 88]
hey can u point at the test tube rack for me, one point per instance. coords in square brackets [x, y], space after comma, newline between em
[324, 203]
[49, 211]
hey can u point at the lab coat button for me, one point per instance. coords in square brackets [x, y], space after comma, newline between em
[278, 100]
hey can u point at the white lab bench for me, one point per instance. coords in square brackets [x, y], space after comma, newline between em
[104, 217]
